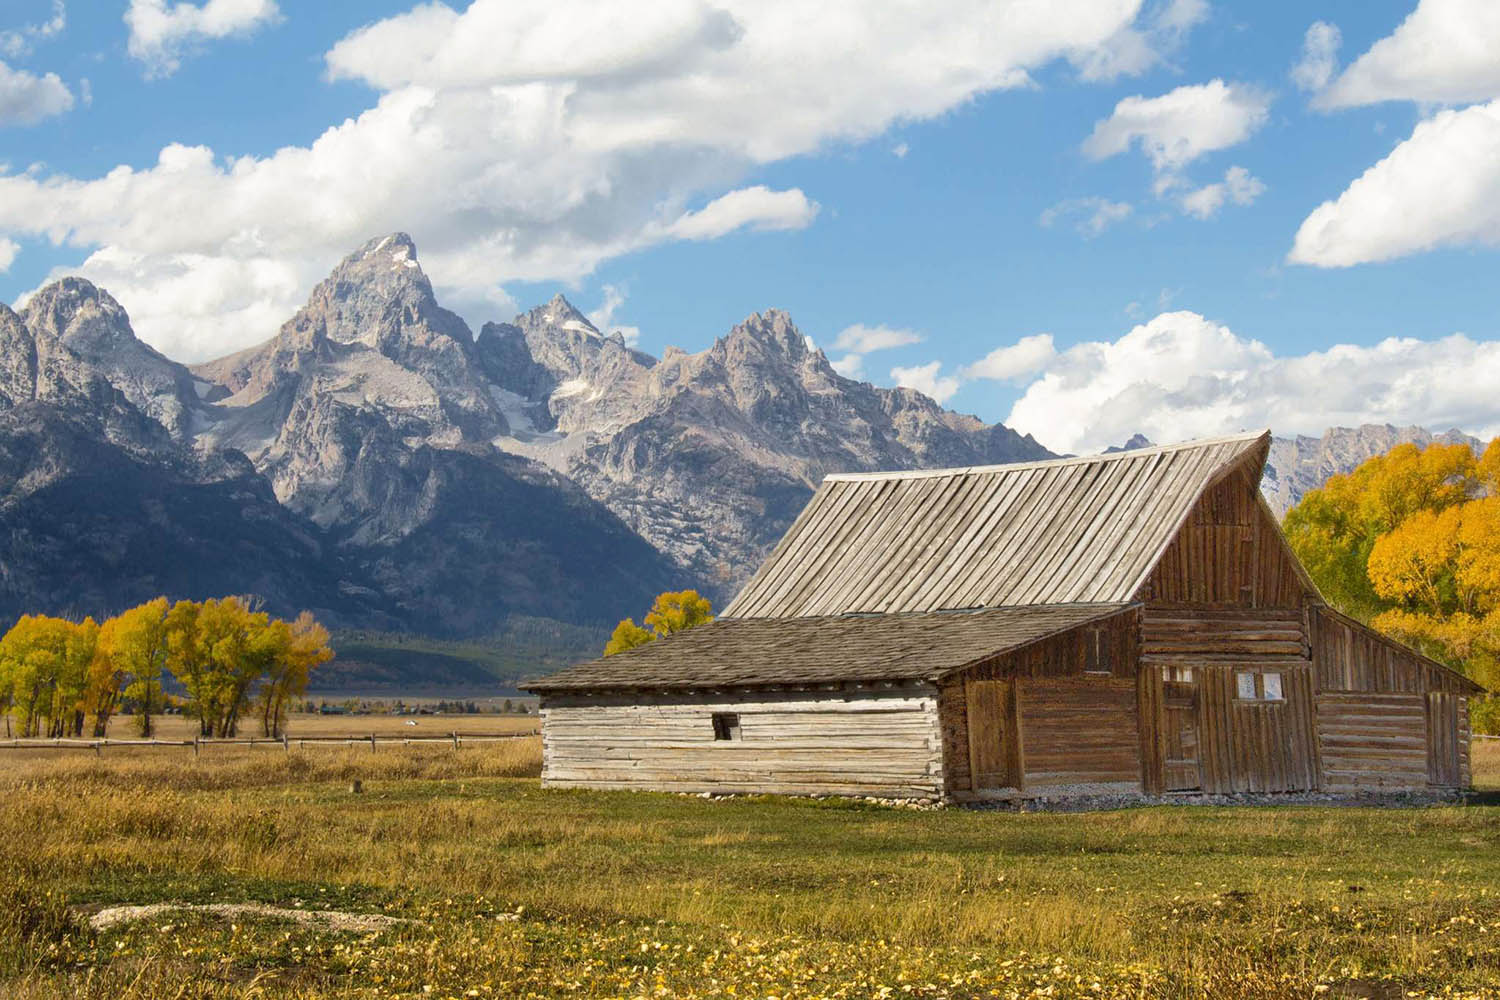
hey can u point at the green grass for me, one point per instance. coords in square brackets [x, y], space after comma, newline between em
[627, 894]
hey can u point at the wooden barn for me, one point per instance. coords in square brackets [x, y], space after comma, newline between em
[1132, 623]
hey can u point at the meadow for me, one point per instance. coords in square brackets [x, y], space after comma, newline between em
[497, 888]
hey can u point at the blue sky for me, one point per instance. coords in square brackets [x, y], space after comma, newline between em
[919, 181]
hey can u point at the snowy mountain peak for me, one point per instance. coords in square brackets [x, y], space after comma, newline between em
[559, 314]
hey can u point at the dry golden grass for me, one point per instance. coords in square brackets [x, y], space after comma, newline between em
[519, 891]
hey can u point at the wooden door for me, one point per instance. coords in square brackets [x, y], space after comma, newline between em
[991, 735]
[1442, 740]
[1180, 731]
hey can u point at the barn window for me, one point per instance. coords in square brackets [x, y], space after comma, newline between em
[1271, 686]
[726, 726]
[1245, 686]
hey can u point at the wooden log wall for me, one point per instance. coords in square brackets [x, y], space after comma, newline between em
[1078, 735]
[1177, 634]
[1228, 552]
[1082, 677]
[1373, 740]
[866, 741]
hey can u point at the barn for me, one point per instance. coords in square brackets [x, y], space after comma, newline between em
[1128, 624]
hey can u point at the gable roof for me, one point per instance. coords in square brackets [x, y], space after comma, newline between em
[1061, 532]
[735, 652]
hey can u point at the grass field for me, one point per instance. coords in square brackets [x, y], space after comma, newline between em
[512, 891]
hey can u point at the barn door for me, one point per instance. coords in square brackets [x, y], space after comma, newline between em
[1180, 728]
[1442, 740]
[991, 735]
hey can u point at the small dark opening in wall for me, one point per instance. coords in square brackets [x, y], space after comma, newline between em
[726, 726]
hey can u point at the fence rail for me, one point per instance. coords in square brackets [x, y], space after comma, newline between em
[285, 743]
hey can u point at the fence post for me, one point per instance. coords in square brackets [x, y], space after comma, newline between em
[195, 744]
[372, 742]
[454, 734]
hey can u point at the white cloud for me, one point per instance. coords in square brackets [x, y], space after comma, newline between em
[1440, 187]
[1015, 361]
[1148, 42]
[19, 41]
[162, 32]
[1091, 215]
[858, 340]
[1181, 125]
[26, 98]
[748, 208]
[850, 366]
[1181, 376]
[862, 339]
[1320, 51]
[8, 251]
[528, 140]
[900, 149]
[1238, 186]
[603, 318]
[926, 380]
[1443, 53]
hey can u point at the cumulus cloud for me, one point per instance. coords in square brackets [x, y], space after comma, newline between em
[19, 41]
[1150, 41]
[858, 340]
[1320, 51]
[1091, 216]
[26, 98]
[1180, 376]
[1440, 187]
[927, 380]
[1181, 125]
[1443, 53]
[1238, 186]
[161, 32]
[527, 140]
[1014, 361]
[8, 251]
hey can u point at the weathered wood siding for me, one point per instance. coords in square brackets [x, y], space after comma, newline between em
[1068, 722]
[1387, 718]
[1373, 740]
[878, 741]
[1078, 735]
[1229, 552]
[1351, 657]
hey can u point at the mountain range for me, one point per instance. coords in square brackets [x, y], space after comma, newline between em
[378, 463]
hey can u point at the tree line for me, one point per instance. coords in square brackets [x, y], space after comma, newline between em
[57, 676]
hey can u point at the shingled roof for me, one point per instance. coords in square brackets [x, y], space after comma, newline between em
[1063, 532]
[736, 652]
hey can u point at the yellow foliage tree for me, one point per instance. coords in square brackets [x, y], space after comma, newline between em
[131, 659]
[672, 611]
[1410, 542]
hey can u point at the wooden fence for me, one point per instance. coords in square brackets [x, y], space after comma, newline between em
[284, 743]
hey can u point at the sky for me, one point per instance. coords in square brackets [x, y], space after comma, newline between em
[1085, 218]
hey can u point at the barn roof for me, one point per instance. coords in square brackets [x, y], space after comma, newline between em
[1078, 530]
[733, 652]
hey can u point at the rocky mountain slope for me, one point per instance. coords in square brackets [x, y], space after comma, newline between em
[378, 463]
[101, 508]
[710, 456]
